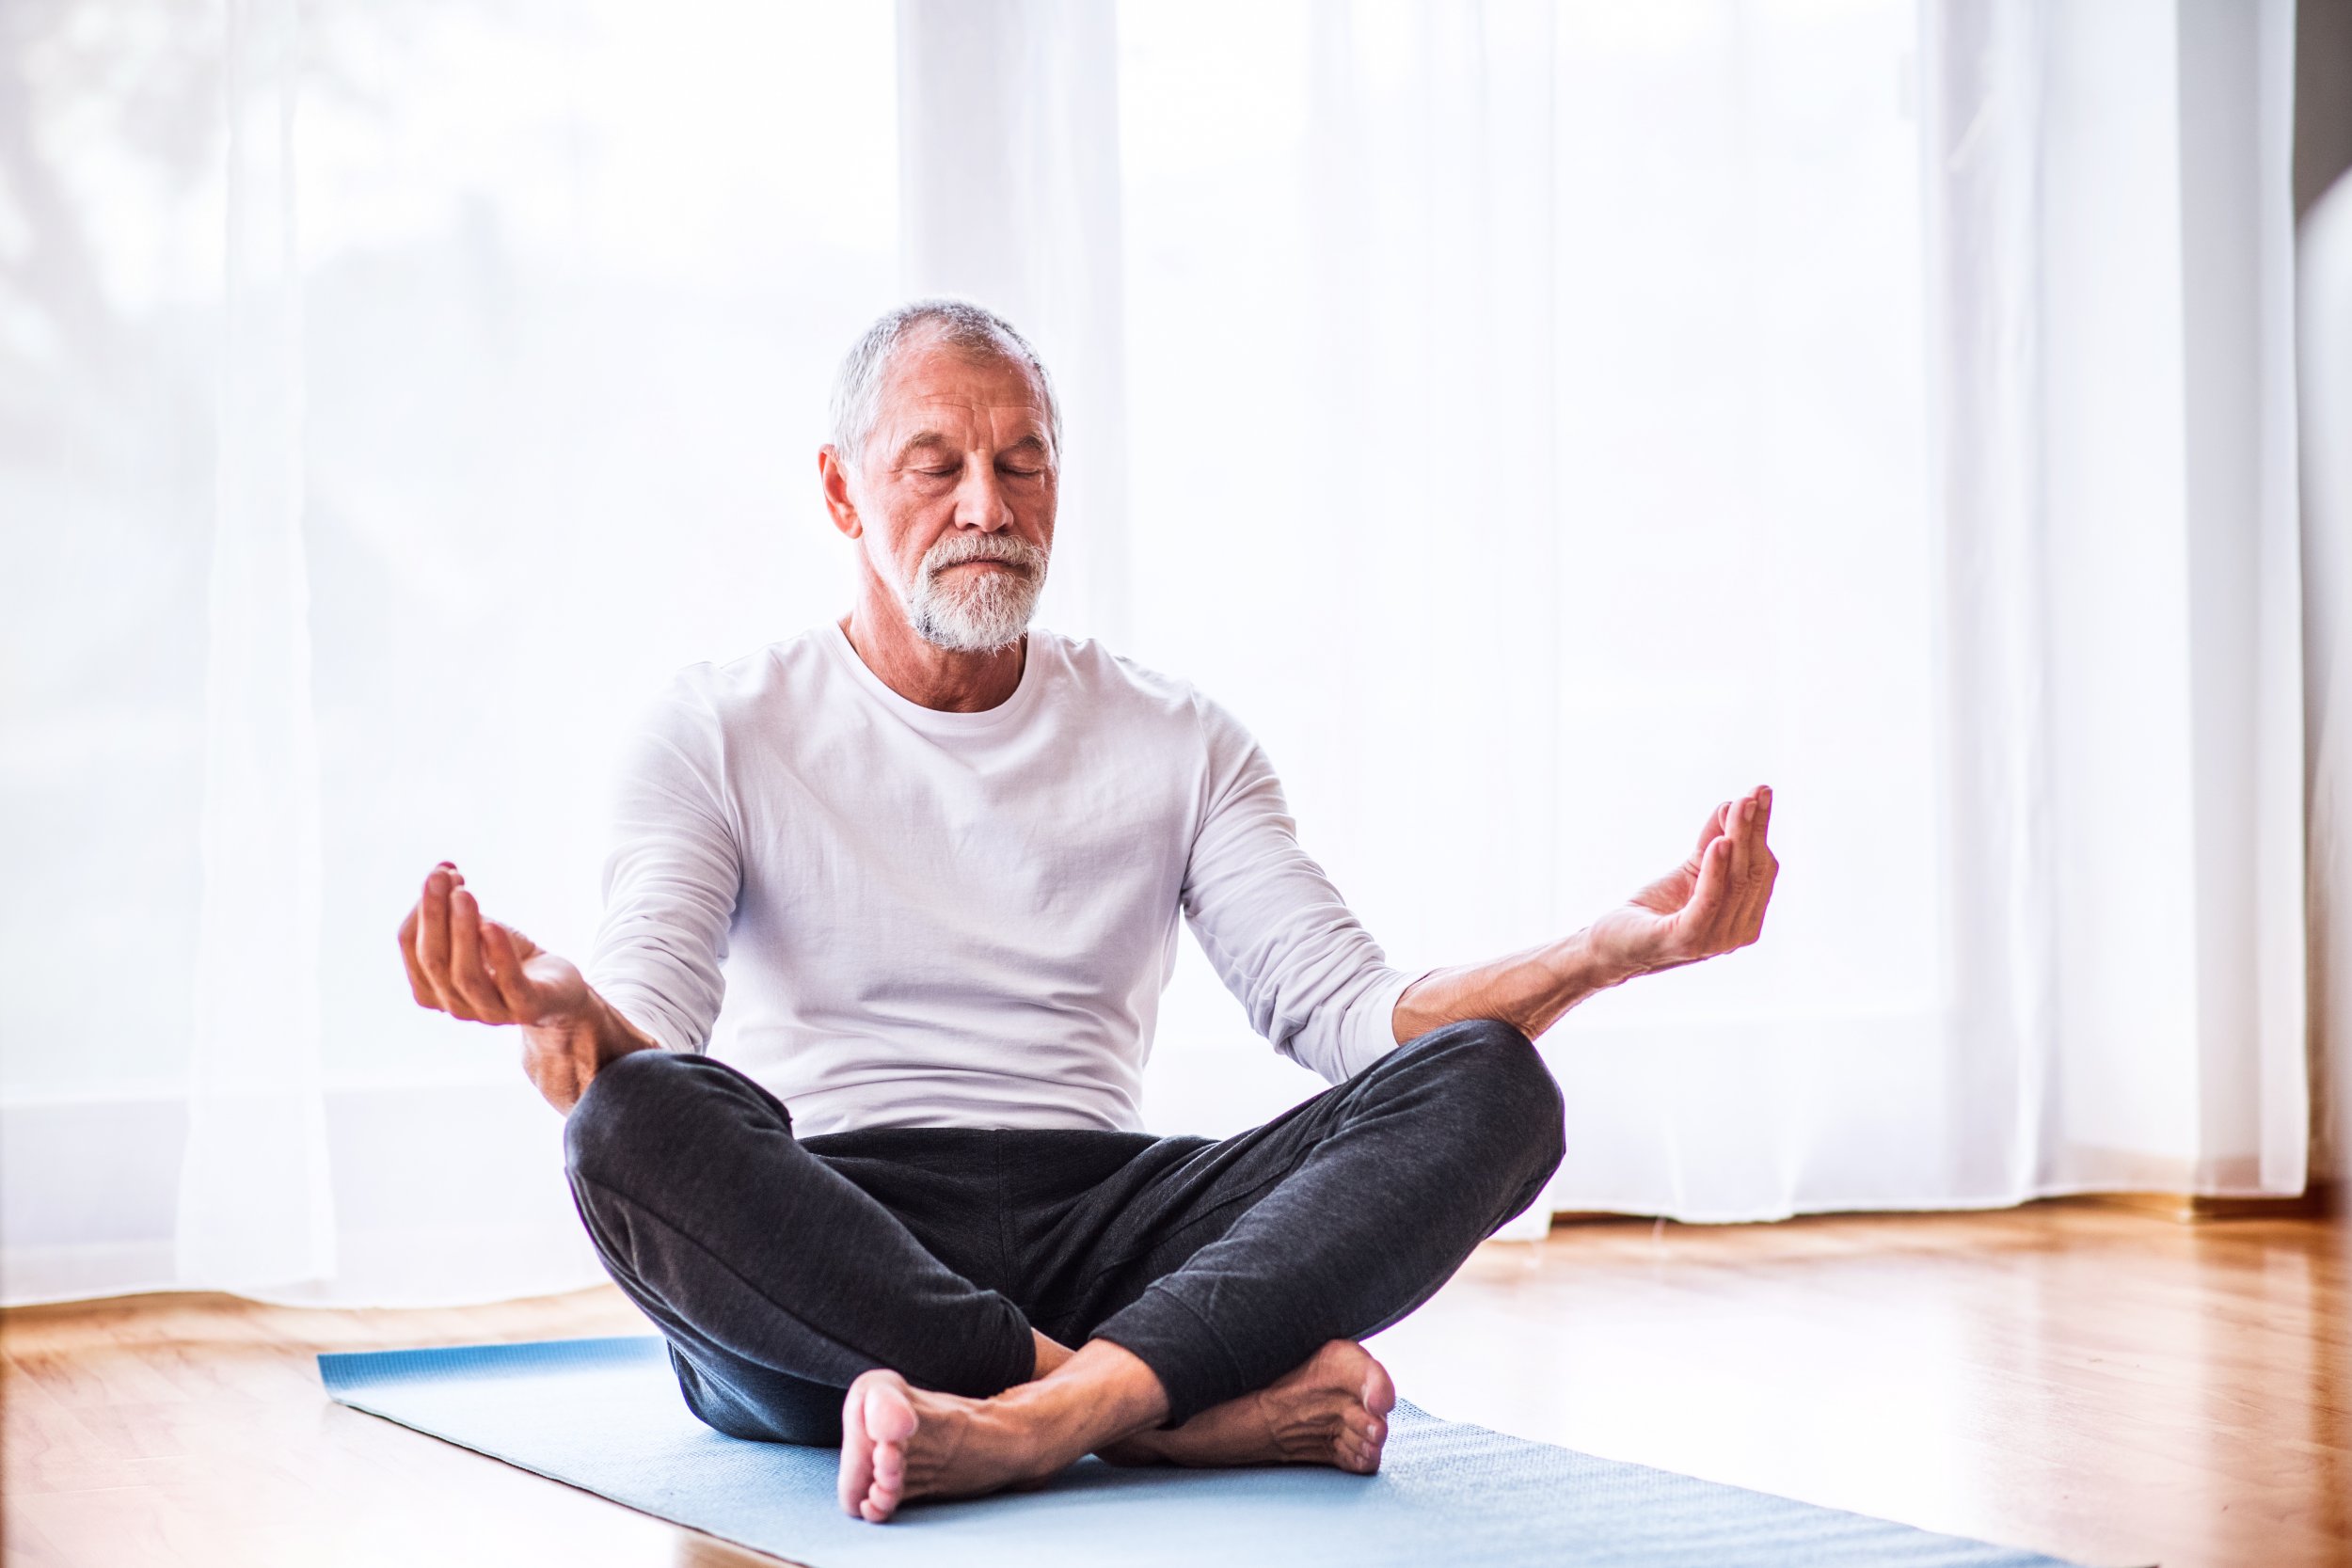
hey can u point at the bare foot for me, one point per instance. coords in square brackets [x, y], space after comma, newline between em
[899, 1441]
[1331, 1410]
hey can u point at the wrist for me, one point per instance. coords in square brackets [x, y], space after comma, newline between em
[1585, 962]
[1575, 968]
[1619, 947]
[565, 1054]
[1565, 973]
[605, 1034]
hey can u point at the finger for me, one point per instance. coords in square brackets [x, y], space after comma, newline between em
[1754, 895]
[1712, 832]
[464, 959]
[1740, 904]
[417, 985]
[1703, 917]
[1725, 935]
[1755, 921]
[433, 936]
[1763, 900]
[1762, 866]
[1740, 830]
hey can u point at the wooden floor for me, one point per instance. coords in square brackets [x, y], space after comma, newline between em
[2103, 1385]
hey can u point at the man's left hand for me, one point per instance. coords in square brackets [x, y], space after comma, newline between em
[1711, 903]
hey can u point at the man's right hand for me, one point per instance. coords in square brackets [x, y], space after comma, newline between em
[472, 967]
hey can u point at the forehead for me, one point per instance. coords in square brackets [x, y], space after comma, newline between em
[927, 380]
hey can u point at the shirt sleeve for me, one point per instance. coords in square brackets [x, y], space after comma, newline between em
[672, 876]
[1310, 977]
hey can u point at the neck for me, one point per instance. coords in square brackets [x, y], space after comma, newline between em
[935, 678]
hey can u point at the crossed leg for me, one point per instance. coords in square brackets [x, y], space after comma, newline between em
[776, 1279]
[1216, 1289]
[1253, 1265]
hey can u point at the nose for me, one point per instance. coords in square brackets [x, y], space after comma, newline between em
[980, 499]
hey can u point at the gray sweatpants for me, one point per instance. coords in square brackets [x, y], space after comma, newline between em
[780, 1268]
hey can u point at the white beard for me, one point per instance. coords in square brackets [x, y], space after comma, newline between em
[974, 613]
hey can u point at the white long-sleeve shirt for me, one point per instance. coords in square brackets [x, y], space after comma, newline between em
[929, 919]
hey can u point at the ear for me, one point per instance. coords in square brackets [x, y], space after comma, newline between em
[835, 477]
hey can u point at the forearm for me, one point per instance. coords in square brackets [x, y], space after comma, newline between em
[1530, 990]
[560, 1059]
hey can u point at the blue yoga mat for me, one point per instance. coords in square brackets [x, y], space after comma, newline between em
[606, 1415]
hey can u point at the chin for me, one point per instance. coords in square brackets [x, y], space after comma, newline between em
[991, 616]
[970, 634]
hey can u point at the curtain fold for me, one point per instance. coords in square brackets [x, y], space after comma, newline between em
[2169, 489]
[1982, 92]
[2119, 634]
[255, 1183]
[2324, 391]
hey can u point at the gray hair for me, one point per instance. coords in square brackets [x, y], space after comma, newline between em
[957, 323]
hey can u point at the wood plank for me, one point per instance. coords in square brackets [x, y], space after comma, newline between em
[2102, 1384]
[2091, 1380]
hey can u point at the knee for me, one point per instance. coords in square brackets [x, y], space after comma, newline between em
[633, 1106]
[1496, 1083]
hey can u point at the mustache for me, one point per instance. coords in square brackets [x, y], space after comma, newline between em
[958, 548]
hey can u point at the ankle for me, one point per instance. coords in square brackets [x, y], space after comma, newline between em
[1101, 1394]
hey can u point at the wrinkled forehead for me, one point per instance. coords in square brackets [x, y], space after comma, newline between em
[930, 383]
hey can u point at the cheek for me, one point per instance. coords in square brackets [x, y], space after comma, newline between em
[1038, 510]
[898, 533]
[878, 539]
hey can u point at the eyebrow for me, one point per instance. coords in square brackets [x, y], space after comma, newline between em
[920, 440]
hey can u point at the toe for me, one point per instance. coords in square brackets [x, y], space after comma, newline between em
[882, 1497]
[877, 1418]
[889, 1412]
[1379, 1390]
[857, 1453]
[1362, 1436]
[1348, 1447]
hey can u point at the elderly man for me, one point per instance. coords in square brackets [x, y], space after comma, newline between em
[940, 856]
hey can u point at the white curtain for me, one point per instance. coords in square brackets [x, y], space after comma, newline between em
[1894, 406]
[2323, 363]
[2117, 465]
[1538, 422]
[391, 396]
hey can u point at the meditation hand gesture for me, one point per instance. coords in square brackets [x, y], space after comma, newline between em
[473, 968]
[1709, 904]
